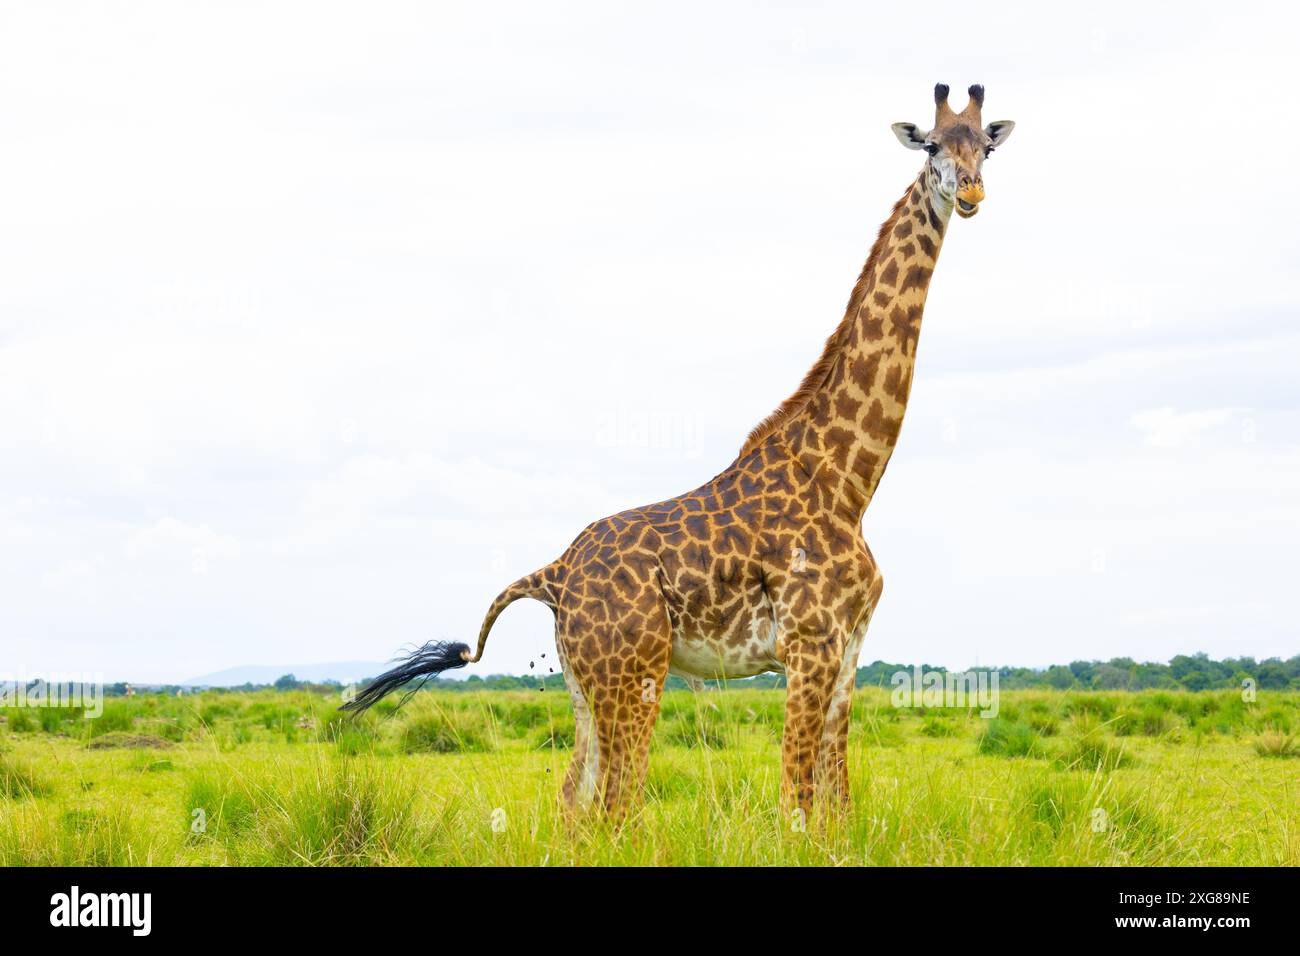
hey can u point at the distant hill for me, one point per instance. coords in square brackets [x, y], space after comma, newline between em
[342, 671]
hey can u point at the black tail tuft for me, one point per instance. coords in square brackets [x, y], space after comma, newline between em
[427, 661]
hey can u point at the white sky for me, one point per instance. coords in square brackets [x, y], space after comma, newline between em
[320, 323]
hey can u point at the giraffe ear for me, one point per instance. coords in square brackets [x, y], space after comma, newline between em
[909, 135]
[999, 131]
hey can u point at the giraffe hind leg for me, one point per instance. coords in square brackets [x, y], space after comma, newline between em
[619, 666]
[579, 790]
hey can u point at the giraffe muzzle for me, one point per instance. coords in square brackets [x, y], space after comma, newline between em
[969, 197]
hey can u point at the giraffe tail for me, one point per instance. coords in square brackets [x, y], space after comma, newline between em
[529, 586]
[437, 656]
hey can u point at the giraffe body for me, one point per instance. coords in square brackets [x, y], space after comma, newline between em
[764, 568]
[727, 581]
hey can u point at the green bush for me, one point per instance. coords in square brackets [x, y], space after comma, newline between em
[443, 731]
[18, 780]
[1075, 807]
[1043, 724]
[1092, 751]
[347, 813]
[118, 717]
[703, 727]
[560, 734]
[52, 718]
[1099, 706]
[164, 727]
[354, 736]
[1009, 738]
[939, 727]
[1149, 721]
[227, 807]
[1276, 743]
[210, 713]
[522, 716]
[20, 721]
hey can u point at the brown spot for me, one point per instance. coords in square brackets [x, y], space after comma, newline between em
[820, 408]
[865, 462]
[838, 442]
[897, 383]
[917, 277]
[906, 326]
[863, 370]
[846, 406]
[697, 526]
[879, 425]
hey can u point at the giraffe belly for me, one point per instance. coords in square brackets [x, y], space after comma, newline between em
[741, 654]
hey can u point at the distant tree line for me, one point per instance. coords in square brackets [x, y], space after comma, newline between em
[1194, 672]
[1188, 672]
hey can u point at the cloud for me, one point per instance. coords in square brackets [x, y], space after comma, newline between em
[1168, 428]
[373, 491]
[169, 538]
[75, 579]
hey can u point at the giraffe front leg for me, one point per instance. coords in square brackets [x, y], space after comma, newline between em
[812, 666]
[832, 754]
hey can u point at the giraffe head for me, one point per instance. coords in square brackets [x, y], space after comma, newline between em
[958, 145]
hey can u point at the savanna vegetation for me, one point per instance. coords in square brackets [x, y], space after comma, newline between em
[467, 778]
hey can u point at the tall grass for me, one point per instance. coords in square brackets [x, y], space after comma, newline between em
[43, 836]
[445, 731]
[1009, 738]
[19, 780]
[344, 812]
[1276, 743]
[1083, 778]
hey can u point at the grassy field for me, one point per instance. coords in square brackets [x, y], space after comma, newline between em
[1058, 778]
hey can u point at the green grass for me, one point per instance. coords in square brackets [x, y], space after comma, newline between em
[1093, 751]
[19, 780]
[441, 728]
[1002, 737]
[277, 778]
[1276, 743]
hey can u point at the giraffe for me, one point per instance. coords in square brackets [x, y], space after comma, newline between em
[764, 568]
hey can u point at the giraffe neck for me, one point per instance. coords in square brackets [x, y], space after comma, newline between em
[847, 430]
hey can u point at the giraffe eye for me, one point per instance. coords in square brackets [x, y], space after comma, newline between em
[932, 149]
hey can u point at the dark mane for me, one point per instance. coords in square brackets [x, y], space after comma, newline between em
[821, 370]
